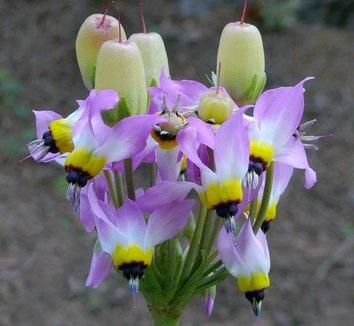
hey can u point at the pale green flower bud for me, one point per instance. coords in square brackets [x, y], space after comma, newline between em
[153, 53]
[95, 30]
[242, 57]
[215, 106]
[120, 67]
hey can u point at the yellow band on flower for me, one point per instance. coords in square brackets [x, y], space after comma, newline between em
[62, 135]
[221, 193]
[271, 211]
[133, 253]
[164, 143]
[254, 282]
[261, 151]
[84, 160]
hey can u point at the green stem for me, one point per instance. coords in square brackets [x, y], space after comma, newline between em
[129, 178]
[253, 210]
[111, 188]
[119, 188]
[265, 200]
[152, 168]
[212, 268]
[162, 318]
[217, 226]
[204, 240]
[213, 279]
[192, 251]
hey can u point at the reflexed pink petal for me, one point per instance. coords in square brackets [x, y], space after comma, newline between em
[43, 119]
[205, 133]
[128, 137]
[187, 139]
[86, 215]
[188, 90]
[166, 221]
[282, 176]
[164, 193]
[101, 264]
[278, 112]
[231, 151]
[293, 153]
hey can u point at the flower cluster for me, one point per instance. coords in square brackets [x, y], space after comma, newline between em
[229, 147]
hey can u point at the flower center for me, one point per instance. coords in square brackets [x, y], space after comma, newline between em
[133, 270]
[50, 142]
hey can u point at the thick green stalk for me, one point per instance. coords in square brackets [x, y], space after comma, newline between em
[204, 240]
[119, 188]
[265, 200]
[129, 178]
[162, 318]
[215, 231]
[193, 248]
[111, 187]
[253, 210]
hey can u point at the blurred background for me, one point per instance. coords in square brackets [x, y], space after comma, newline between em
[45, 254]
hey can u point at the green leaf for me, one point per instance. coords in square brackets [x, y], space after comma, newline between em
[119, 112]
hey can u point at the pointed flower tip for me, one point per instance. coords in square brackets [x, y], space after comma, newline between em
[257, 308]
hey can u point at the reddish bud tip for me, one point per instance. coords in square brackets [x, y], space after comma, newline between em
[108, 7]
[142, 17]
[244, 12]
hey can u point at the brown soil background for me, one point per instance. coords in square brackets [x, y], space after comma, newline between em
[45, 254]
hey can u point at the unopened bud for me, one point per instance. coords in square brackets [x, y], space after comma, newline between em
[153, 53]
[215, 106]
[242, 56]
[120, 67]
[95, 30]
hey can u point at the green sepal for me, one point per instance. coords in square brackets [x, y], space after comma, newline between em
[255, 89]
[119, 112]
[153, 83]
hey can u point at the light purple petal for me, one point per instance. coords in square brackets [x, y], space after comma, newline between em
[108, 235]
[128, 137]
[229, 255]
[188, 90]
[86, 215]
[101, 264]
[231, 151]
[282, 176]
[293, 153]
[278, 112]
[167, 221]
[187, 139]
[164, 193]
[205, 133]
[251, 250]
[167, 163]
[131, 222]
[43, 119]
